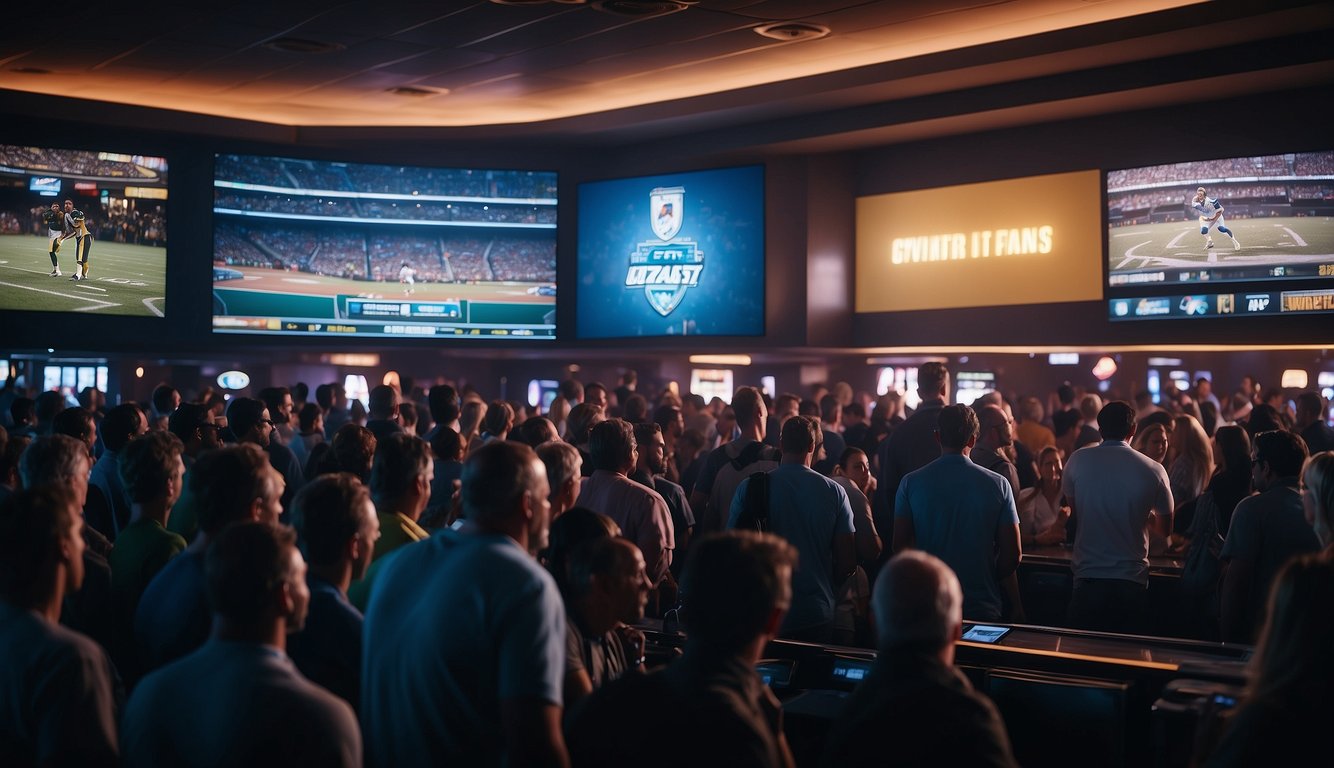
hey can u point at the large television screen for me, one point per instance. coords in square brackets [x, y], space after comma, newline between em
[996, 243]
[679, 254]
[83, 231]
[1259, 225]
[321, 248]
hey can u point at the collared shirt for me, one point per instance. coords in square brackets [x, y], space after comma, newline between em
[641, 513]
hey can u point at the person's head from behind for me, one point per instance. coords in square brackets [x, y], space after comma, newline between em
[121, 425]
[1293, 651]
[801, 436]
[933, 381]
[748, 406]
[352, 450]
[255, 575]
[165, 399]
[1318, 495]
[47, 407]
[41, 542]
[499, 419]
[9, 460]
[23, 411]
[56, 460]
[78, 423]
[151, 468]
[917, 604]
[1276, 454]
[612, 447]
[443, 402]
[235, 484]
[735, 590]
[1232, 448]
[1263, 418]
[337, 522]
[505, 489]
[536, 430]
[1116, 421]
[1089, 406]
[383, 402]
[957, 428]
[564, 468]
[577, 527]
[401, 475]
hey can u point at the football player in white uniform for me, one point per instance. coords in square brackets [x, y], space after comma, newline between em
[1211, 215]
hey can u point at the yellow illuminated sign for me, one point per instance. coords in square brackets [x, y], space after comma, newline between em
[1023, 241]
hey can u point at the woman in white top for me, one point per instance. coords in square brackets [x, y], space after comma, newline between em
[1043, 511]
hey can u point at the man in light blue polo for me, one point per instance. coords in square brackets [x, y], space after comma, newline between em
[964, 515]
[813, 513]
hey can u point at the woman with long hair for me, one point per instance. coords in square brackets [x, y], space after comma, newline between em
[1318, 497]
[1043, 511]
[1193, 464]
[1285, 718]
[1152, 442]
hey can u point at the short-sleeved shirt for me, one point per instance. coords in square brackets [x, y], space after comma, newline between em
[57, 701]
[809, 510]
[1113, 489]
[601, 657]
[238, 704]
[173, 618]
[720, 490]
[142, 549]
[1267, 530]
[457, 624]
[641, 513]
[396, 530]
[328, 649]
[958, 511]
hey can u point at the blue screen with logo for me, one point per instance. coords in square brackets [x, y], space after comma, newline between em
[679, 254]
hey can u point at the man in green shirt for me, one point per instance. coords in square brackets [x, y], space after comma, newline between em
[152, 471]
[401, 488]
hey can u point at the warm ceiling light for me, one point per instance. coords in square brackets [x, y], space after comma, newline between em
[1294, 378]
[1104, 369]
[720, 359]
[370, 360]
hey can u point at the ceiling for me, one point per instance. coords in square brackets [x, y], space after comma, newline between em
[641, 69]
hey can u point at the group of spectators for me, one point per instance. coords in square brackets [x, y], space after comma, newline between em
[355, 254]
[78, 162]
[468, 595]
[382, 179]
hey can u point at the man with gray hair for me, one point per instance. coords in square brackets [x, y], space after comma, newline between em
[914, 705]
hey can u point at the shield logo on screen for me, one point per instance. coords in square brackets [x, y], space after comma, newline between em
[666, 271]
[665, 209]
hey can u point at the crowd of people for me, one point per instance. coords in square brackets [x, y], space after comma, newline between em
[1302, 164]
[357, 254]
[79, 162]
[382, 179]
[434, 578]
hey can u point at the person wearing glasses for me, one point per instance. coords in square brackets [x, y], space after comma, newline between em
[1266, 531]
[250, 422]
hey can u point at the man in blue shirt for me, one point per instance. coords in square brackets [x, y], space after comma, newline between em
[963, 514]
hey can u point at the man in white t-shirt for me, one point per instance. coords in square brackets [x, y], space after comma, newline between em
[1115, 495]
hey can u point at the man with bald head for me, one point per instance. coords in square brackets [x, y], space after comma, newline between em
[996, 435]
[915, 708]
